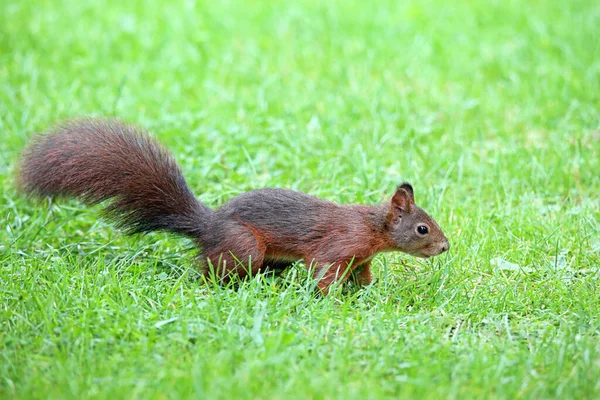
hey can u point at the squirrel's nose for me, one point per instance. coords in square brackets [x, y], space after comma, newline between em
[445, 246]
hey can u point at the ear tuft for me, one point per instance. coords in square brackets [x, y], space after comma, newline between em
[409, 189]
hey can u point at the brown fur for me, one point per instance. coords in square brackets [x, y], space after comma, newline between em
[263, 229]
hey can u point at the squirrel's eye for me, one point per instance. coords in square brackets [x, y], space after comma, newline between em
[422, 229]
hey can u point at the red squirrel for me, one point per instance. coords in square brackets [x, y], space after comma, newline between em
[264, 229]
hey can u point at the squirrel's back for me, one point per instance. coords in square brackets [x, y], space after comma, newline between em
[98, 160]
[282, 212]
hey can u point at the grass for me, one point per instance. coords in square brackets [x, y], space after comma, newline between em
[490, 109]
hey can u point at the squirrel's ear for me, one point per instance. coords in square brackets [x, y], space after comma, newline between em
[403, 198]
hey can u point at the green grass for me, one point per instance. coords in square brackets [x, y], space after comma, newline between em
[490, 109]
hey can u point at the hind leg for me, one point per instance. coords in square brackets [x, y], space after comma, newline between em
[240, 254]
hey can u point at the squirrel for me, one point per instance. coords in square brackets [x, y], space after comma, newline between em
[261, 230]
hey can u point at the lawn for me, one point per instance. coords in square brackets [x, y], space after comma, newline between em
[491, 109]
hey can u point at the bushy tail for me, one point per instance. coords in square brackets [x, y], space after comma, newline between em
[97, 160]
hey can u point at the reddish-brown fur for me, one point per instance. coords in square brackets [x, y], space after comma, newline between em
[263, 229]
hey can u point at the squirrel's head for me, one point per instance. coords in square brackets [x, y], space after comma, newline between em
[411, 229]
